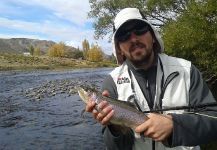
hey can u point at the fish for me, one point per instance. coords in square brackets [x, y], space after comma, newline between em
[125, 113]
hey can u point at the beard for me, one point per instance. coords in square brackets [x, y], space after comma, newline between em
[140, 54]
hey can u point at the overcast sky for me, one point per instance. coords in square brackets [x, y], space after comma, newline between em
[56, 20]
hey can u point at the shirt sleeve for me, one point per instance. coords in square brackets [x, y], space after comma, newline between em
[199, 127]
[115, 140]
[109, 85]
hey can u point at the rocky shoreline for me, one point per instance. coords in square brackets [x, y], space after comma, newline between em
[56, 87]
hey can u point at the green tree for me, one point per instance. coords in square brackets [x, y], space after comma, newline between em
[77, 54]
[194, 34]
[113, 59]
[158, 11]
[188, 26]
[31, 49]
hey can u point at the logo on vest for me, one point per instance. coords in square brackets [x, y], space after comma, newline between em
[122, 80]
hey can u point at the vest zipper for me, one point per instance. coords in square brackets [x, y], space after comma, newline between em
[168, 80]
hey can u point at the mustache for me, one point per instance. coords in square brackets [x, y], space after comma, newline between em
[134, 45]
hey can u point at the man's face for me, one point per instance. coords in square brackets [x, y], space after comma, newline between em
[136, 42]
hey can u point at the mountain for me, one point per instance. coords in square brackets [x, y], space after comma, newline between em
[20, 45]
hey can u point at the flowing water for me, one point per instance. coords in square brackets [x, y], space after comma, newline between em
[41, 110]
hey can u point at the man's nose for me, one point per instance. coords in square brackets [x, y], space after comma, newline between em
[133, 37]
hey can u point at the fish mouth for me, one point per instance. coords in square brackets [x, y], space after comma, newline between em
[82, 93]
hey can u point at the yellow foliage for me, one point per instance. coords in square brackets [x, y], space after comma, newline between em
[57, 50]
[95, 54]
[85, 47]
[37, 51]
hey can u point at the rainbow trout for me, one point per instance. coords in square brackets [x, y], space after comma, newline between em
[125, 114]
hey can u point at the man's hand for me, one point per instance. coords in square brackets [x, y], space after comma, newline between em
[106, 111]
[158, 127]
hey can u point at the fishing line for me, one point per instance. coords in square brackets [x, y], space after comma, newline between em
[205, 115]
[193, 108]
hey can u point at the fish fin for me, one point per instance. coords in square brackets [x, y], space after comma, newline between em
[130, 104]
[110, 99]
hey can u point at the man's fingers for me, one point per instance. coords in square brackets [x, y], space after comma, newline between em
[150, 133]
[90, 106]
[106, 119]
[142, 128]
[102, 112]
[95, 113]
[105, 111]
[105, 93]
[101, 106]
[157, 127]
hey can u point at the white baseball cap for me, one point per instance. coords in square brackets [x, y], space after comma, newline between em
[125, 15]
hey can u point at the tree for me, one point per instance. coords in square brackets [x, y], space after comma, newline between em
[113, 59]
[77, 54]
[57, 50]
[31, 49]
[192, 22]
[95, 53]
[194, 34]
[86, 47]
[188, 26]
[37, 51]
[159, 12]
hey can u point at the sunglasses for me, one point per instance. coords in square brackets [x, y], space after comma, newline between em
[124, 35]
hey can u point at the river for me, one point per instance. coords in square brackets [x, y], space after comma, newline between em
[41, 110]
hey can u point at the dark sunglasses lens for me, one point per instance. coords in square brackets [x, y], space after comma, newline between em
[123, 36]
[141, 30]
[138, 29]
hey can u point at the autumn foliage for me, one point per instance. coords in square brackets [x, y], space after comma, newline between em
[57, 50]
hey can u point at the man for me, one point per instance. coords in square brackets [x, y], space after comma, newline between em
[153, 80]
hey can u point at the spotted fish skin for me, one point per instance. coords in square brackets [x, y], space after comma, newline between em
[124, 113]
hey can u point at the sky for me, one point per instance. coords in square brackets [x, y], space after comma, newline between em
[57, 20]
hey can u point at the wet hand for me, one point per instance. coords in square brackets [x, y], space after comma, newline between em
[158, 127]
[102, 112]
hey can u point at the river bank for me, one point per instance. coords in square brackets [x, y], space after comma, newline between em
[21, 62]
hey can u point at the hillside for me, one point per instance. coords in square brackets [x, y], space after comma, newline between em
[20, 45]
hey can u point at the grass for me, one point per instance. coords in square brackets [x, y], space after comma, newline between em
[20, 62]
